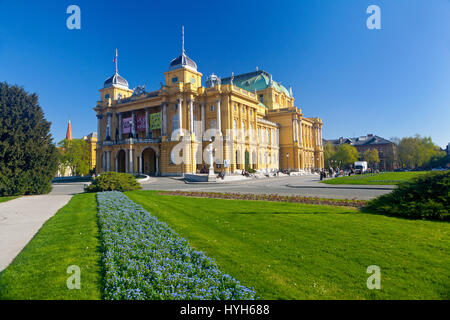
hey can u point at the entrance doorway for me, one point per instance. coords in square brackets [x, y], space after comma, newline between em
[121, 156]
[149, 162]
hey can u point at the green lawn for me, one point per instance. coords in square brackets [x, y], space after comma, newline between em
[296, 251]
[4, 199]
[386, 178]
[70, 237]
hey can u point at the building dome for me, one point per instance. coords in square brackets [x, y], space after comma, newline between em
[116, 81]
[183, 61]
[212, 81]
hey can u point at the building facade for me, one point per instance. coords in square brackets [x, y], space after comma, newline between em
[387, 150]
[249, 119]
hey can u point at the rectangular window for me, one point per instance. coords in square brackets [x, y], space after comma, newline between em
[261, 98]
[175, 79]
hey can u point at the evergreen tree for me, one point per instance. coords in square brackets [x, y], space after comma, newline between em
[28, 158]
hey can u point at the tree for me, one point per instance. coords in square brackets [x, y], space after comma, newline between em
[28, 157]
[346, 155]
[371, 156]
[414, 152]
[328, 154]
[75, 154]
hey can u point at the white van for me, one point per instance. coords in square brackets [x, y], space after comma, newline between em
[360, 167]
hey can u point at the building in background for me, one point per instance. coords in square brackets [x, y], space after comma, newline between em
[91, 140]
[387, 150]
[255, 115]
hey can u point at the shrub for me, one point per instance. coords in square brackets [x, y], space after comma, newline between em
[424, 197]
[28, 157]
[113, 181]
[144, 259]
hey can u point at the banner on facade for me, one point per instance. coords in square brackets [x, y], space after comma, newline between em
[140, 122]
[155, 120]
[126, 125]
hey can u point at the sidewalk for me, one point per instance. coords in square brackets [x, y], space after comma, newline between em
[21, 218]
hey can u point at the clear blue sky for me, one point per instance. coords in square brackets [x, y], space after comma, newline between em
[390, 82]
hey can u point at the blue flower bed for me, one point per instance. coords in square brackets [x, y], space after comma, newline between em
[145, 259]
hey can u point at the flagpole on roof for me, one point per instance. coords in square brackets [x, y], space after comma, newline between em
[116, 60]
[182, 39]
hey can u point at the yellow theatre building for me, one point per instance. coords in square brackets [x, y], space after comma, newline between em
[252, 115]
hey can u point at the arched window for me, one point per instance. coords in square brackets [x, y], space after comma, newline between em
[243, 129]
[235, 128]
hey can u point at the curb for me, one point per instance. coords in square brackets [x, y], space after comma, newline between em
[343, 187]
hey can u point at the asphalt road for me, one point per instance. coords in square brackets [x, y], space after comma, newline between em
[301, 185]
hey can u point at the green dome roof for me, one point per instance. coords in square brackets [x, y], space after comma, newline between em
[258, 80]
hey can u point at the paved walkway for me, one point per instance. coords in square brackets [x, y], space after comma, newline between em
[21, 218]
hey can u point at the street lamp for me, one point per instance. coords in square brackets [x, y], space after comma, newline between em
[287, 157]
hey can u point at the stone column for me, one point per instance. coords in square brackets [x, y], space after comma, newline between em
[164, 124]
[294, 130]
[117, 163]
[99, 125]
[321, 140]
[219, 121]
[203, 118]
[157, 165]
[301, 131]
[140, 163]
[108, 126]
[103, 160]
[180, 113]
[147, 125]
[120, 125]
[133, 124]
[191, 116]
[130, 157]
[317, 136]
